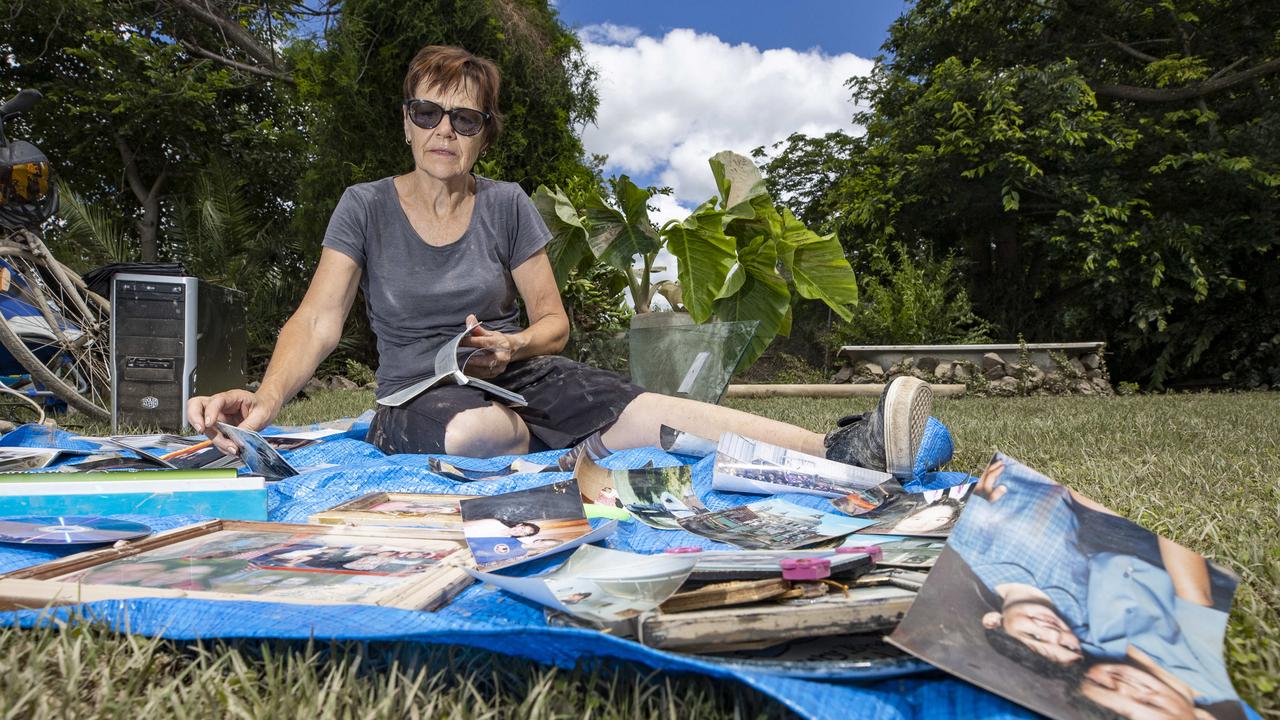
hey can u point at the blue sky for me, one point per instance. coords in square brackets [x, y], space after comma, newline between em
[679, 81]
[835, 26]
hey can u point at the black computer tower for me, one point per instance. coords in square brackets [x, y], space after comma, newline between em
[172, 338]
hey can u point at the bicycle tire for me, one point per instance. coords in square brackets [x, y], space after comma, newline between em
[39, 371]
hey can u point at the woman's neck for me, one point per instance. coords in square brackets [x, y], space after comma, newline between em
[440, 197]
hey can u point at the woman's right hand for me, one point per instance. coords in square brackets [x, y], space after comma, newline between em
[234, 407]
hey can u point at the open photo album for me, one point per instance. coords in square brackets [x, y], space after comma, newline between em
[450, 361]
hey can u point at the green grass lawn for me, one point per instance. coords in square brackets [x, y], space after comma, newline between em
[1199, 469]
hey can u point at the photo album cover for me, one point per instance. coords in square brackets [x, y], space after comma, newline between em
[515, 527]
[1048, 599]
[753, 466]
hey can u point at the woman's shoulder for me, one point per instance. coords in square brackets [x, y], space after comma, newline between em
[498, 190]
[367, 191]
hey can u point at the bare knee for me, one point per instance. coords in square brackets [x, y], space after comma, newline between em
[486, 432]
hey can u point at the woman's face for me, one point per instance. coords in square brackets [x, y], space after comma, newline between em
[441, 152]
[927, 519]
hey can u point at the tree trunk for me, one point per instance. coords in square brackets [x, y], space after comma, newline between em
[149, 198]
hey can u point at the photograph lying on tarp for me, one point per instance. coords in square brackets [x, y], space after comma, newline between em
[894, 511]
[601, 586]
[658, 497]
[899, 551]
[515, 527]
[771, 524]
[459, 471]
[753, 466]
[1052, 601]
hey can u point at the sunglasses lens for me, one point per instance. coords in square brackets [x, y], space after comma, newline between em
[425, 115]
[466, 121]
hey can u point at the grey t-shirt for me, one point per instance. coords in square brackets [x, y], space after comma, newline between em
[419, 295]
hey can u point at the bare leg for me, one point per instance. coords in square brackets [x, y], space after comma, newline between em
[486, 432]
[639, 424]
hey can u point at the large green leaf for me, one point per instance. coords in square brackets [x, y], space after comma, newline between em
[739, 182]
[763, 296]
[568, 247]
[705, 255]
[818, 266]
[617, 235]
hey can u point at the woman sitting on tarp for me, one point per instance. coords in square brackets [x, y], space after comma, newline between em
[439, 248]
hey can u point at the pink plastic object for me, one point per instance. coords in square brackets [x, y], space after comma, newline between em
[805, 568]
[683, 549]
[873, 550]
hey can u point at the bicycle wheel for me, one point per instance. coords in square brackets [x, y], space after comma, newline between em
[57, 330]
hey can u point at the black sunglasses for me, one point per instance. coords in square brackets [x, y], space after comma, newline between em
[426, 115]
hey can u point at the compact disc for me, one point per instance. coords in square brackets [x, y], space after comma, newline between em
[68, 530]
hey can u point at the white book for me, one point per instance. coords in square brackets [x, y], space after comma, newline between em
[450, 360]
[117, 487]
[755, 466]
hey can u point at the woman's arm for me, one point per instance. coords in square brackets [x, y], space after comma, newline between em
[310, 334]
[548, 329]
[1189, 572]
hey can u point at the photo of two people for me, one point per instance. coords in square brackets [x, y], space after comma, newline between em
[1055, 602]
[506, 529]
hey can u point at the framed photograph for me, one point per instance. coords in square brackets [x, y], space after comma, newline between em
[405, 568]
[399, 509]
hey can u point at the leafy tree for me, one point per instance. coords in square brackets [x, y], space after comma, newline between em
[1105, 168]
[135, 107]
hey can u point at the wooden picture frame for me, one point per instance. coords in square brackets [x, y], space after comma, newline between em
[56, 582]
[360, 511]
[860, 610]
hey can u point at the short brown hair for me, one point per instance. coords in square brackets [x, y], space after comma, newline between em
[448, 67]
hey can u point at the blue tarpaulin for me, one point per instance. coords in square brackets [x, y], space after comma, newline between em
[487, 618]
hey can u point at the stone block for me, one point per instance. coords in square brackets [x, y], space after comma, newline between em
[961, 373]
[1091, 361]
[874, 370]
[991, 360]
[844, 374]
[928, 364]
[995, 372]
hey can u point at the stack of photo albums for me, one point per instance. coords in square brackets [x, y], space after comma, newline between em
[1012, 582]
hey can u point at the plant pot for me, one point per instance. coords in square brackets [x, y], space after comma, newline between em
[660, 319]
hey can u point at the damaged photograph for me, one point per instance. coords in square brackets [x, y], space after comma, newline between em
[1054, 602]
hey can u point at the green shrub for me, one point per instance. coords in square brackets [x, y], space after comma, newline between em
[912, 301]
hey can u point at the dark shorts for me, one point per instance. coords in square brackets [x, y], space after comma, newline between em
[568, 401]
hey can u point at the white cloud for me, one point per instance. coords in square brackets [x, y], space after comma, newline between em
[668, 104]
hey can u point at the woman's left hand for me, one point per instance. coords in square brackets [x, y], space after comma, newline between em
[495, 353]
